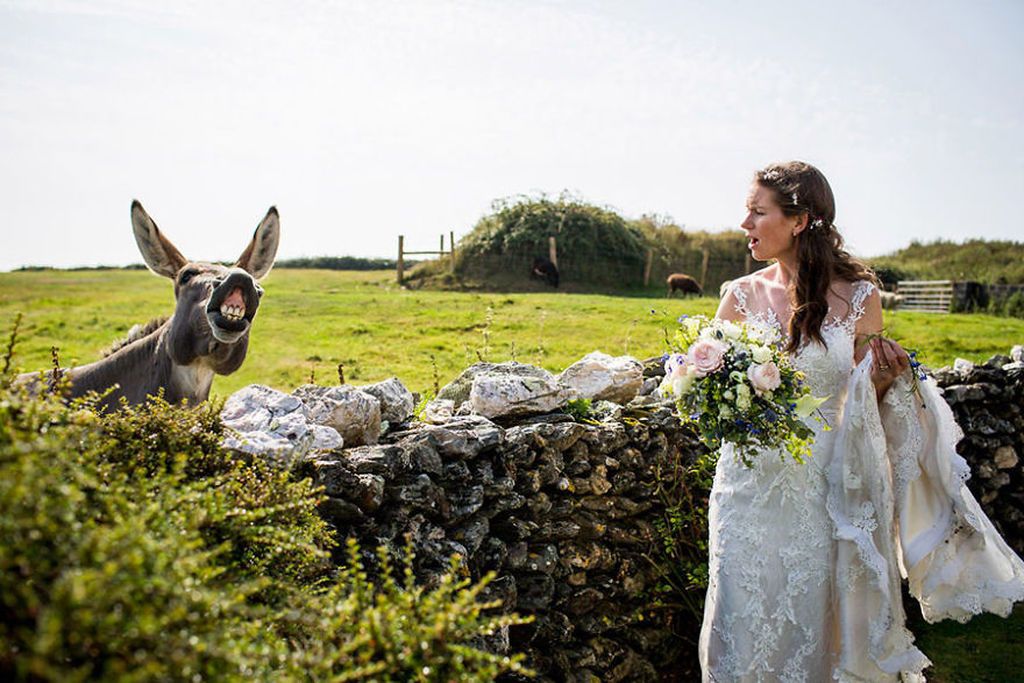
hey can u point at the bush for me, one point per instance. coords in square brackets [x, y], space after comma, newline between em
[595, 245]
[1011, 306]
[132, 547]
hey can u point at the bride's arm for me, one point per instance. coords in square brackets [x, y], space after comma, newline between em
[889, 360]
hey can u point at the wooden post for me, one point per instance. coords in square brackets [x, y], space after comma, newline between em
[553, 251]
[704, 267]
[401, 260]
[647, 267]
[451, 247]
[442, 244]
[749, 263]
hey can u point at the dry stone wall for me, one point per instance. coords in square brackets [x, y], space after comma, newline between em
[566, 512]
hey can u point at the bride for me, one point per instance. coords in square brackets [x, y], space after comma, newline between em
[805, 560]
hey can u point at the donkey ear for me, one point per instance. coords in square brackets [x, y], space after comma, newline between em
[258, 257]
[162, 257]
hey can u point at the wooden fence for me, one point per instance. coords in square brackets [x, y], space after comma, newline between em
[928, 296]
[402, 253]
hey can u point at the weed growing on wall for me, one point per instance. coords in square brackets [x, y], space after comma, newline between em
[680, 553]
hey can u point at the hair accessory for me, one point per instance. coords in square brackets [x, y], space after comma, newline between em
[795, 200]
[771, 175]
[817, 223]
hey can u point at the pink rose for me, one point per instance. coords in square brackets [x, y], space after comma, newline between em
[764, 376]
[706, 356]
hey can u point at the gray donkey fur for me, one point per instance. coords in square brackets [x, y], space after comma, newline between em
[208, 333]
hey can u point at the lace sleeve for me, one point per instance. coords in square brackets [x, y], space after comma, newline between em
[734, 302]
[862, 289]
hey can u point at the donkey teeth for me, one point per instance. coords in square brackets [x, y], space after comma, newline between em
[232, 312]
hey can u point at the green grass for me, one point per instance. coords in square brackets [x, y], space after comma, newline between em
[312, 320]
[985, 650]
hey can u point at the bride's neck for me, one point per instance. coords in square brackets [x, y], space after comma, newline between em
[785, 273]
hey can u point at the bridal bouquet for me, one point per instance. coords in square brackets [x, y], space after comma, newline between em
[736, 385]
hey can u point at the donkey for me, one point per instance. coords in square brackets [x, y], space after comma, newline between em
[208, 333]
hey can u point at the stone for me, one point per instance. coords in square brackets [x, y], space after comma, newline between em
[438, 411]
[601, 377]
[464, 437]
[458, 390]
[396, 402]
[354, 413]
[1005, 457]
[496, 395]
[962, 366]
[339, 512]
[382, 460]
[271, 424]
[1017, 353]
[649, 387]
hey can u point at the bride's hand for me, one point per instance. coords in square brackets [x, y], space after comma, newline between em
[888, 361]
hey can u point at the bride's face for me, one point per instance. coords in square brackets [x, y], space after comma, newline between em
[769, 231]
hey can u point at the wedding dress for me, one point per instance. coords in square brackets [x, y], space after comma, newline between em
[806, 559]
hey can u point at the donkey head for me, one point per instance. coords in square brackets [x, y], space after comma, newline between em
[215, 304]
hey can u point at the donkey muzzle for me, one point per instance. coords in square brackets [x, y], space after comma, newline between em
[232, 306]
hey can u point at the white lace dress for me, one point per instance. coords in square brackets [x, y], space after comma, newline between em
[805, 560]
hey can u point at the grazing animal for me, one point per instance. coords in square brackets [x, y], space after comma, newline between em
[890, 300]
[545, 270]
[684, 284]
[208, 333]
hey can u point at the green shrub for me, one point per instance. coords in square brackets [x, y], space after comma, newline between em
[595, 245]
[132, 547]
[680, 553]
[405, 632]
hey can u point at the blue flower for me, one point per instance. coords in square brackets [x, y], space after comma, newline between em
[682, 318]
[771, 415]
[923, 376]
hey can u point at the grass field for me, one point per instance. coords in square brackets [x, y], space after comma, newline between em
[312, 320]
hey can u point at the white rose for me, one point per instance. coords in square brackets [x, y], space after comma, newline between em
[731, 329]
[760, 354]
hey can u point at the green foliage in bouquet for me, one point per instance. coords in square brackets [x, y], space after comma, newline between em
[735, 385]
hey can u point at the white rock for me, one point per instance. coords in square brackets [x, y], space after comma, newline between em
[962, 365]
[438, 411]
[325, 438]
[269, 423]
[353, 413]
[396, 402]
[266, 445]
[247, 399]
[1017, 353]
[600, 377]
[458, 389]
[503, 395]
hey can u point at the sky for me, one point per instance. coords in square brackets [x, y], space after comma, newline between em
[363, 120]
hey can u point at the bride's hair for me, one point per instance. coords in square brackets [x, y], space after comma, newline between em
[800, 188]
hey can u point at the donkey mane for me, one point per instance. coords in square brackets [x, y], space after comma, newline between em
[136, 333]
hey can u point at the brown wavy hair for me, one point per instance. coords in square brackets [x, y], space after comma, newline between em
[799, 189]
